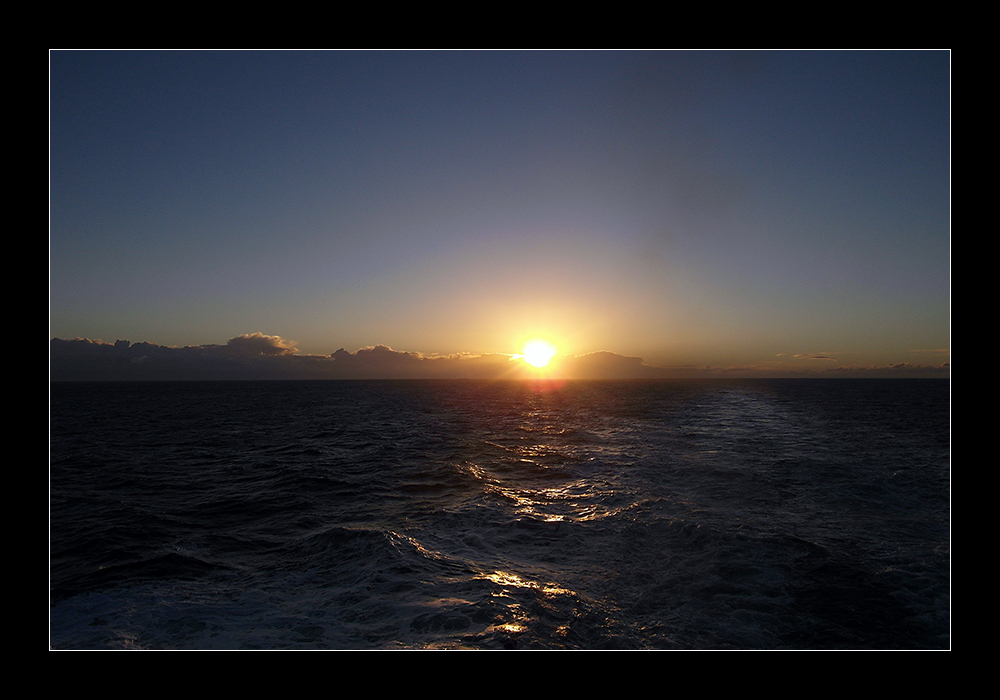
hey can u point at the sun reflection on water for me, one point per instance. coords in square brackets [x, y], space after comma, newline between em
[507, 578]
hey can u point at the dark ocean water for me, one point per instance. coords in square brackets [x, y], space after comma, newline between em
[760, 514]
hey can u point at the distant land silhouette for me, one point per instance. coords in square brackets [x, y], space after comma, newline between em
[256, 356]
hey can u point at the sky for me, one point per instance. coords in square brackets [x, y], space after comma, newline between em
[777, 210]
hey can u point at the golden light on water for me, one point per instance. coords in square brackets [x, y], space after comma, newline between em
[509, 578]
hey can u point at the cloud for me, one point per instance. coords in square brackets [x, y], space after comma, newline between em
[260, 344]
[260, 356]
[376, 354]
[249, 356]
[382, 362]
[606, 365]
[255, 356]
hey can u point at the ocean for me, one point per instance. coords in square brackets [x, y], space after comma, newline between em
[588, 515]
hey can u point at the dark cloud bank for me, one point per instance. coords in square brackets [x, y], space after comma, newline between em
[259, 356]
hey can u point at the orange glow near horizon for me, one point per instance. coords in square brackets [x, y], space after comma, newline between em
[538, 353]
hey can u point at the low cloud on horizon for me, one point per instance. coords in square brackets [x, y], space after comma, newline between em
[258, 356]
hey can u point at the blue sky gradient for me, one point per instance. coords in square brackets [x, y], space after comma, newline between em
[721, 209]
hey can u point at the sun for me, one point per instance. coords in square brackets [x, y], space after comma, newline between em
[538, 353]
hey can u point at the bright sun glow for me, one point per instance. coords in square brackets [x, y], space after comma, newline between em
[538, 353]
